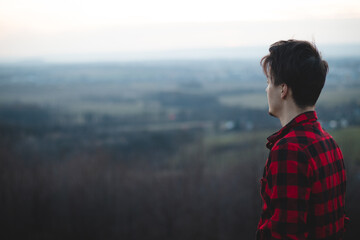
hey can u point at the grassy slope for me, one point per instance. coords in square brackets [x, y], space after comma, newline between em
[349, 141]
[328, 98]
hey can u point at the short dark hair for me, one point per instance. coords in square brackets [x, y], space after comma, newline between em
[299, 65]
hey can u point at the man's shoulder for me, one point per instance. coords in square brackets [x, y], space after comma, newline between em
[309, 142]
[301, 137]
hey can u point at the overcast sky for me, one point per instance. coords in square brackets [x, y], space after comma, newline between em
[65, 29]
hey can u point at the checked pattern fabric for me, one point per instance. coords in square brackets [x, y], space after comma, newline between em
[303, 184]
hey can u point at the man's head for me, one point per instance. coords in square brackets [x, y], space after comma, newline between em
[297, 66]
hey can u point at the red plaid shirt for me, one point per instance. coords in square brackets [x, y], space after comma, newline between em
[303, 185]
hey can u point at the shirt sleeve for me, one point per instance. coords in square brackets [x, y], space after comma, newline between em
[286, 193]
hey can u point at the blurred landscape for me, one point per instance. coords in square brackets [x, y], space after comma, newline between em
[150, 149]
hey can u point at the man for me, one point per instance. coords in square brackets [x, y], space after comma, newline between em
[303, 185]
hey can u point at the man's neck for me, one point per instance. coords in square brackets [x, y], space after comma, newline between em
[290, 112]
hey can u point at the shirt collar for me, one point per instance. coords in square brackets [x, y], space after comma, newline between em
[298, 120]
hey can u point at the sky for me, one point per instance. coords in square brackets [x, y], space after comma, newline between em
[115, 29]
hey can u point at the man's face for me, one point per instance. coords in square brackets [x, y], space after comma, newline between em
[274, 97]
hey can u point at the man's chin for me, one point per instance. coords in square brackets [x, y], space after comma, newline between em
[271, 114]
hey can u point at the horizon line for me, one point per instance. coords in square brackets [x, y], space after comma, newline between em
[245, 52]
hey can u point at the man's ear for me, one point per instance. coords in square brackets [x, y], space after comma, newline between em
[284, 90]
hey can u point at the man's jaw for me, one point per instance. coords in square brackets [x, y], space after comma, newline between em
[271, 114]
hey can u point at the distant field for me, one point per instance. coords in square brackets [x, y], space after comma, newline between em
[328, 98]
[112, 109]
[337, 97]
[251, 100]
[131, 89]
